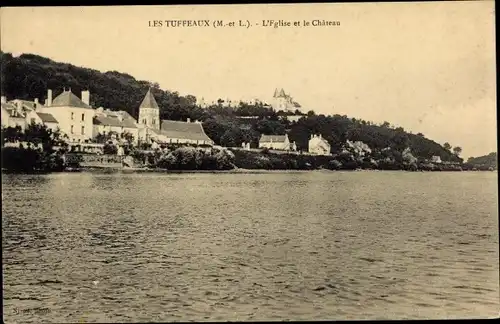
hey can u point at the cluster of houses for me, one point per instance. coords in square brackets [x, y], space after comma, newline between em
[317, 144]
[82, 124]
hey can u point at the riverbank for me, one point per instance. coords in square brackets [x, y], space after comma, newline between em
[212, 160]
[344, 161]
[108, 170]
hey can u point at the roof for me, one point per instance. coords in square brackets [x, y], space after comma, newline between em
[320, 139]
[12, 110]
[282, 93]
[8, 106]
[47, 118]
[183, 130]
[29, 104]
[128, 122]
[149, 101]
[112, 118]
[68, 99]
[273, 138]
[275, 93]
[107, 121]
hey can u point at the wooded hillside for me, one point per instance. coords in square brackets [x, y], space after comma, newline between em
[29, 76]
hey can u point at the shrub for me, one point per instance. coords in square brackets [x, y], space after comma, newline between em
[110, 149]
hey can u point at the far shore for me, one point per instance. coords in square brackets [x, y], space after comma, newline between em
[114, 169]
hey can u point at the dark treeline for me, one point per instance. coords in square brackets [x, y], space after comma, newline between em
[490, 160]
[29, 76]
[39, 149]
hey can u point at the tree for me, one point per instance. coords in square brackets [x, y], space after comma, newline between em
[127, 136]
[110, 149]
[11, 134]
[46, 156]
[447, 146]
[457, 150]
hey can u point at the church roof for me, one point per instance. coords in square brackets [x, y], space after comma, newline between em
[149, 101]
[273, 138]
[68, 99]
[282, 93]
[183, 130]
[275, 93]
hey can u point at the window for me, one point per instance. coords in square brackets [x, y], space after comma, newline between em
[153, 122]
[72, 129]
[72, 116]
[83, 130]
[32, 120]
[83, 117]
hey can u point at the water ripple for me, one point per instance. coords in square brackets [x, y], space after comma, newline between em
[281, 246]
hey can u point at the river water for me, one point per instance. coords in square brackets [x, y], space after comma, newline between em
[122, 247]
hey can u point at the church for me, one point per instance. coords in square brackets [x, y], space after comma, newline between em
[152, 129]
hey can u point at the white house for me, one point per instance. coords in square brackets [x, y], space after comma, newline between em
[22, 113]
[358, 147]
[12, 116]
[276, 142]
[75, 116]
[120, 122]
[318, 145]
[436, 159]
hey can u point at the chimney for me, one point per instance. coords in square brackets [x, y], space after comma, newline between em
[36, 103]
[86, 97]
[189, 120]
[48, 102]
[4, 99]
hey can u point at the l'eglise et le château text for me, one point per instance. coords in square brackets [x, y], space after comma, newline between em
[305, 23]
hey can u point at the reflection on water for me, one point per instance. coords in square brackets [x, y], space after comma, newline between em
[301, 246]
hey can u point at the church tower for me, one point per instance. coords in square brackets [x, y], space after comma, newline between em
[149, 112]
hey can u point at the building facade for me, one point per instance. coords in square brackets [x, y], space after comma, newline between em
[276, 142]
[318, 145]
[118, 122]
[75, 116]
[22, 113]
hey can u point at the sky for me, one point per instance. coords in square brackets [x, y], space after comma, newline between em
[428, 67]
